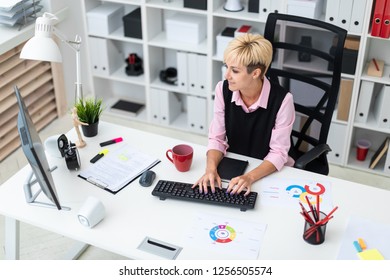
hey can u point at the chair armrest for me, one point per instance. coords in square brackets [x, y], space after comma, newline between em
[310, 155]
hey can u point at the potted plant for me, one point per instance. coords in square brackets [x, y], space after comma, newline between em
[89, 111]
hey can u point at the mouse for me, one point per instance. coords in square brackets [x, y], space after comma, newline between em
[147, 178]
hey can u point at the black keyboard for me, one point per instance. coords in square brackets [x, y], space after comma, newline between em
[183, 191]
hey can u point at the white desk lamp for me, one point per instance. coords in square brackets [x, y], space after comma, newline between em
[233, 6]
[42, 47]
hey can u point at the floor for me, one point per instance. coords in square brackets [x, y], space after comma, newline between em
[36, 243]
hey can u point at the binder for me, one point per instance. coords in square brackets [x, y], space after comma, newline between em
[264, 8]
[357, 16]
[377, 17]
[196, 114]
[336, 139]
[331, 13]
[385, 28]
[364, 101]
[182, 71]
[381, 108]
[344, 17]
[192, 72]
[165, 106]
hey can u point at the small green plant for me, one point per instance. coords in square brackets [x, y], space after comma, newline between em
[89, 109]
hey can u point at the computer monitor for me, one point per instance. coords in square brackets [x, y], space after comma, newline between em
[35, 154]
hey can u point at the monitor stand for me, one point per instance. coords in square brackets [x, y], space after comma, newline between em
[30, 197]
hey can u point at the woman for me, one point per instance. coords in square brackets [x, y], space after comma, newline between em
[252, 116]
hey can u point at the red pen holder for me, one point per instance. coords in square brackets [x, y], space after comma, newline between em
[315, 233]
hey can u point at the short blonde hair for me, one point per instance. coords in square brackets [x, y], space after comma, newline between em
[250, 50]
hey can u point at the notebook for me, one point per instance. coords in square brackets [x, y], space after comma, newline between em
[229, 168]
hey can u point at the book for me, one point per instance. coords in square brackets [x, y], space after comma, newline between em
[127, 107]
[119, 168]
[379, 153]
[229, 168]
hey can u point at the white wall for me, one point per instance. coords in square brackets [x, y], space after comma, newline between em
[70, 27]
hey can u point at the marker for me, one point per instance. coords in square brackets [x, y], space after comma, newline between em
[99, 156]
[357, 246]
[113, 141]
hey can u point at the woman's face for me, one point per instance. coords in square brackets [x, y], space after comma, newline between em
[237, 76]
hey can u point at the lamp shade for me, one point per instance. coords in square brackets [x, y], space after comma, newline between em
[42, 46]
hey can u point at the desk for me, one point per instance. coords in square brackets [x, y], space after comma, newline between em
[133, 213]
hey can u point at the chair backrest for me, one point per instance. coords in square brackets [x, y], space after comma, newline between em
[307, 62]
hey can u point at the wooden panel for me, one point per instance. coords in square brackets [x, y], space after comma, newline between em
[42, 88]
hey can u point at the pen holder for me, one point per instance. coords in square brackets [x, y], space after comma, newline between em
[315, 233]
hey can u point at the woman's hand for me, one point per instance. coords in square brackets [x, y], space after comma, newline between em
[210, 178]
[240, 183]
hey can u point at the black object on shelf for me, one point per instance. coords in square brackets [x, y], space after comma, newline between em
[228, 31]
[304, 56]
[134, 65]
[196, 4]
[128, 107]
[348, 65]
[253, 6]
[132, 24]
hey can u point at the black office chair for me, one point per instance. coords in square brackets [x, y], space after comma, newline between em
[314, 83]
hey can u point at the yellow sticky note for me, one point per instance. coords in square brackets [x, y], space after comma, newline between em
[370, 254]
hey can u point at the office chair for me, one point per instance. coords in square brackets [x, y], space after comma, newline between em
[313, 78]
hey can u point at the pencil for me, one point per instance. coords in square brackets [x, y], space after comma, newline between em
[376, 64]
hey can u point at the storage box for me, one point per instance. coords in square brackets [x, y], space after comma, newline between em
[196, 4]
[132, 24]
[105, 19]
[305, 8]
[223, 40]
[187, 28]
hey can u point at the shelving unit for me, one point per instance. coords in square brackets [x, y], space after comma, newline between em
[159, 53]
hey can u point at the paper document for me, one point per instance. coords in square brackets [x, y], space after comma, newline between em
[118, 168]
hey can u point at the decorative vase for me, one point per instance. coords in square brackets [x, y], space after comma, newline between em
[90, 130]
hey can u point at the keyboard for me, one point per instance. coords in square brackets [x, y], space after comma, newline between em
[183, 191]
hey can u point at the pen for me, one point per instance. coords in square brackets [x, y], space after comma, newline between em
[99, 156]
[376, 64]
[113, 141]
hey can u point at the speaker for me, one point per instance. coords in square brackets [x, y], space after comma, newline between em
[169, 76]
[92, 212]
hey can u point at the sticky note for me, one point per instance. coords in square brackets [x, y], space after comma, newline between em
[370, 254]
[362, 243]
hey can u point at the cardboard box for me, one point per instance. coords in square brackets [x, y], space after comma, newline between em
[132, 24]
[305, 8]
[344, 102]
[186, 28]
[105, 19]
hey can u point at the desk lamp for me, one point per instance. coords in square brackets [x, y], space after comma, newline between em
[42, 47]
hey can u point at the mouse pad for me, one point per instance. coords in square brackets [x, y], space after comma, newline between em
[229, 168]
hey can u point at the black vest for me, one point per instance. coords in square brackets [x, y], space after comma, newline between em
[249, 134]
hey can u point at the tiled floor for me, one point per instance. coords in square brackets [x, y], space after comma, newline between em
[40, 244]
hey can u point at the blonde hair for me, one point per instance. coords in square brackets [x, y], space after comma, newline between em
[250, 50]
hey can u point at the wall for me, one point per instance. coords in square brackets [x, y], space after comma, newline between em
[70, 27]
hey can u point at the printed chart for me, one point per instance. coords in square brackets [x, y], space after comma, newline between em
[225, 237]
[288, 192]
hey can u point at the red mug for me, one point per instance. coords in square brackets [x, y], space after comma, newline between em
[181, 157]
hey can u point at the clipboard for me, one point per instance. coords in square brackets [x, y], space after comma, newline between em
[118, 169]
[229, 168]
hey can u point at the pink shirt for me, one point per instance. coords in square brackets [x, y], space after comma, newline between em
[280, 138]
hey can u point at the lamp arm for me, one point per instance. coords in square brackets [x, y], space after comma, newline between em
[75, 45]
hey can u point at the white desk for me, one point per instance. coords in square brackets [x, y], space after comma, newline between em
[133, 213]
